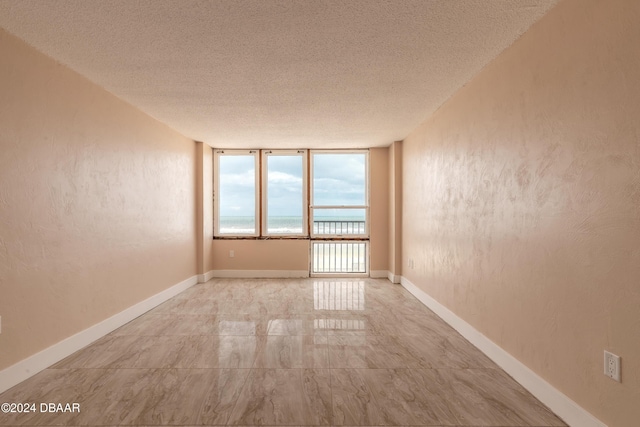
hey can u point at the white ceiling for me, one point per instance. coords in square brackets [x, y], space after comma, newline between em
[277, 73]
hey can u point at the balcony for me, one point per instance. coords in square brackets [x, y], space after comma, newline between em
[339, 228]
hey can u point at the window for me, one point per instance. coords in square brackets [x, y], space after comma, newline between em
[236, 191]
[260, 198]
[339, 194]
[285, 193]
[339, 212]
[263, 193]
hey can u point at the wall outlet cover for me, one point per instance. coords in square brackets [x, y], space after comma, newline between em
[612, 366]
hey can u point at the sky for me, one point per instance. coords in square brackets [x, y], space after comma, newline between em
[338, 179]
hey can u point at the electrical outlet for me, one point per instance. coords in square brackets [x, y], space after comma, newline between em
[231, 254]
[612, 366]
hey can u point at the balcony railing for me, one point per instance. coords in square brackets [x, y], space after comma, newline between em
[339, 257]
[321, 227]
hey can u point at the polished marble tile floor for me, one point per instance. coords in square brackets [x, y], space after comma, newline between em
[301, 352]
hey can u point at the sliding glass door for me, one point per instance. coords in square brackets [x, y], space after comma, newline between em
[339, 209]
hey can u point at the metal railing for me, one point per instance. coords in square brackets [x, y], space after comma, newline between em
[333, 227]
[339, 257]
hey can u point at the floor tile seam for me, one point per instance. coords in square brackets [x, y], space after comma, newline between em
[152, 368]
[183, 335]
[416, 369]
[294, 335]
[156, 369]
[158, 312]
[286, 369]
[198, 336]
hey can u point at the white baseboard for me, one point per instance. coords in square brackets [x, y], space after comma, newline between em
[393, 278]
[384, 274]
[378, 274]
[203, 278]
[570, 412]
[30, 366]
[259, 274]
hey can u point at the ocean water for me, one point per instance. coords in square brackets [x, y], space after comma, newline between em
[293, 225]
[237, 224]
[284, 224]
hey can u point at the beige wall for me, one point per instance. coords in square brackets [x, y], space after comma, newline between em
[395, 209]
[278, 254]
[379, 209]
[521, 203]
[97, 203]
[204, 203]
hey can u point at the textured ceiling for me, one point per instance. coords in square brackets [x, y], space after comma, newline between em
[282, 73]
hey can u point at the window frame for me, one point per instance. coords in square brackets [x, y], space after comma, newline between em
[216, 192]
[265, 154]
[261, 196]
[313, 207]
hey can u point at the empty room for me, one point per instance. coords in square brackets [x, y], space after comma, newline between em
[320, 213]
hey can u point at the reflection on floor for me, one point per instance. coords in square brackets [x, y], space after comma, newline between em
[282, 352]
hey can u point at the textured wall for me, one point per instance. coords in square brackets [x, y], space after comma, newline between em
[379, 208]
[97, 203]
[207, 194]
[522, 203]
[204, 206]
[250, 254]
[395, 208]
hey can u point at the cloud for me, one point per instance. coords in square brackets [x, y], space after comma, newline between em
[284, 186]
[237, 186]
[338, 179]
[277, 177]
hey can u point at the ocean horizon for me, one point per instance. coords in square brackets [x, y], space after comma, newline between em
[290, 224]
